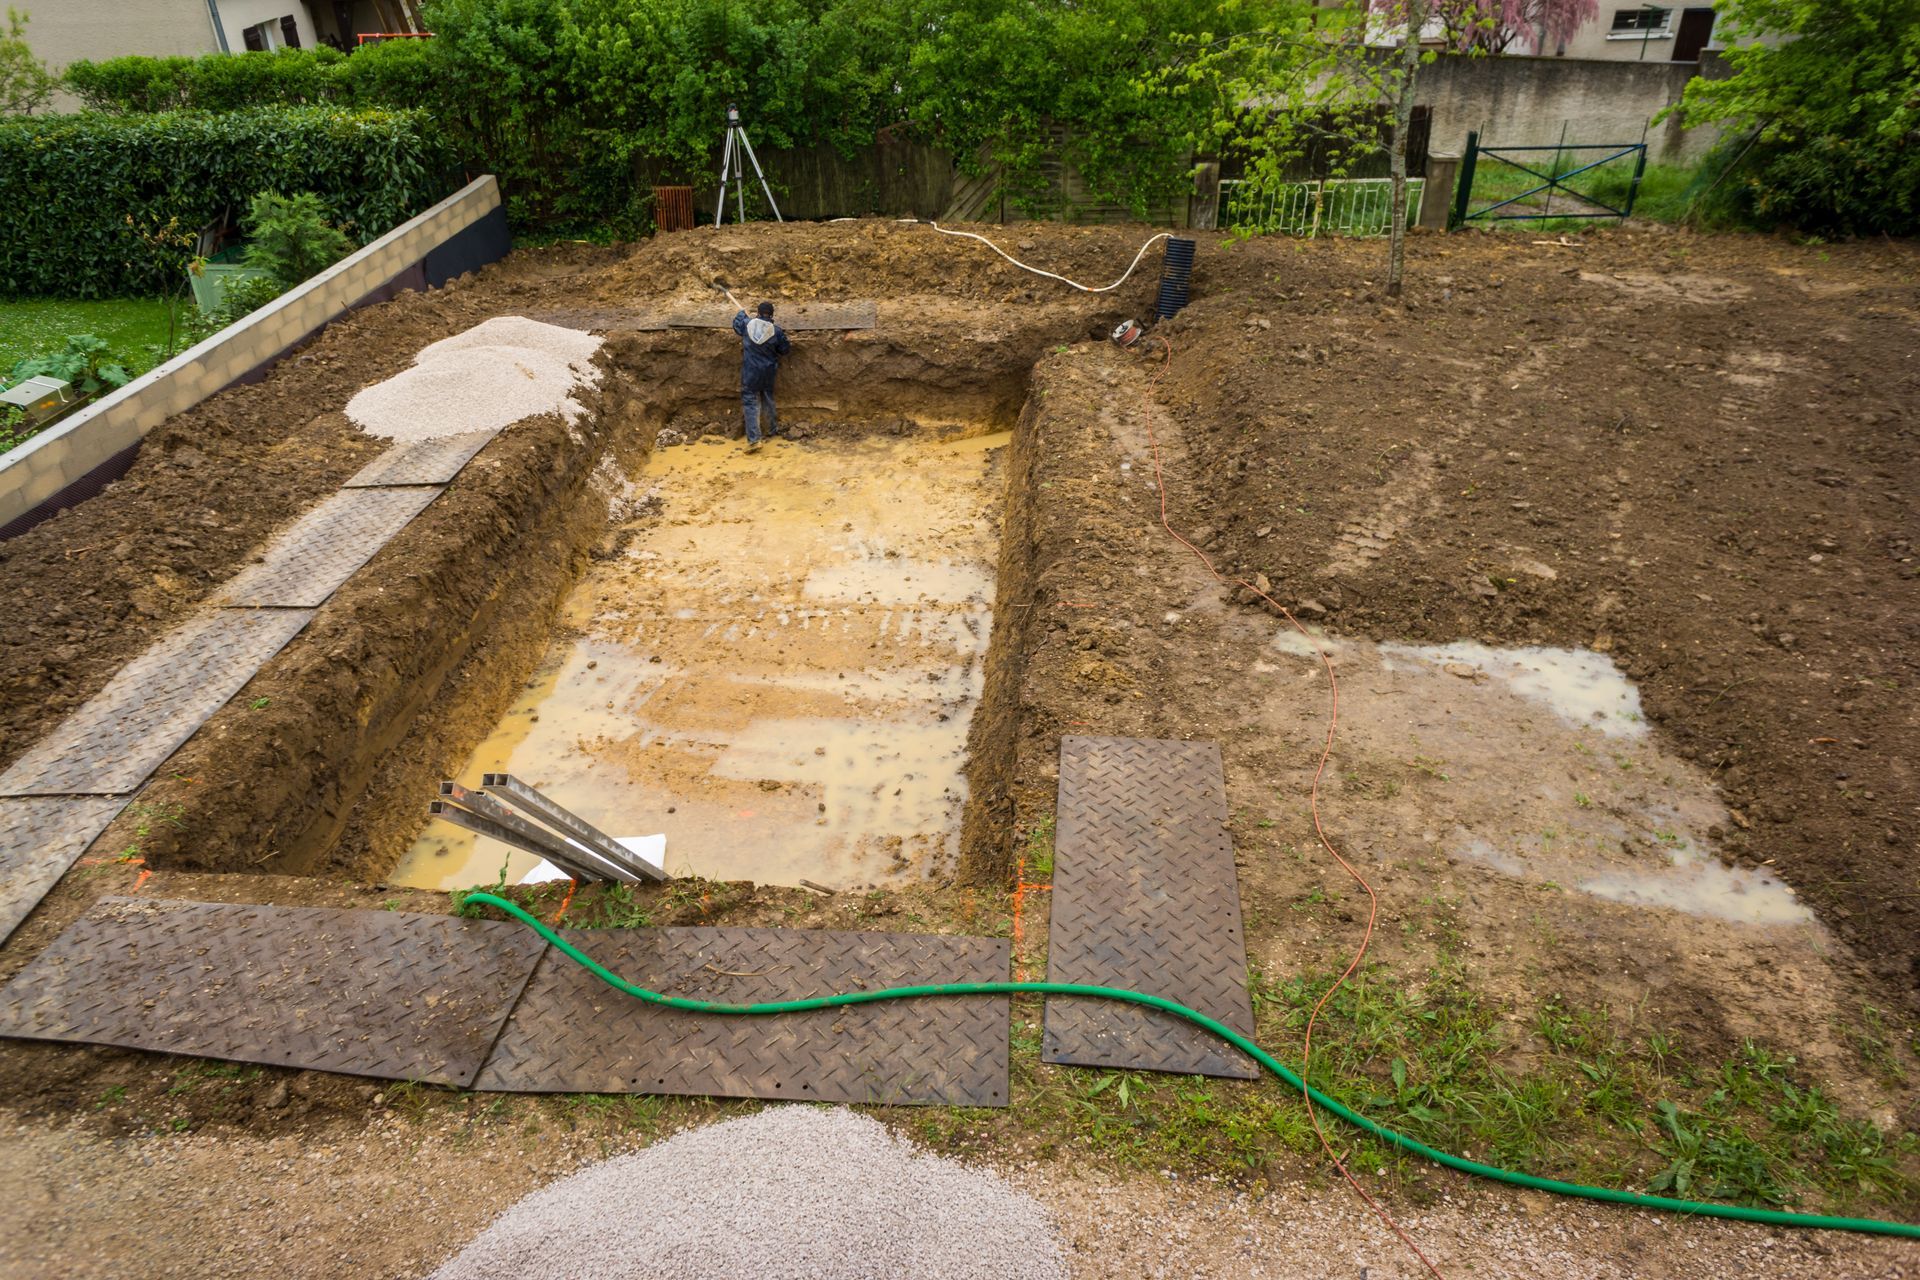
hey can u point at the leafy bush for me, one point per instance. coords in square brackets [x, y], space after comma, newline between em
[395, 73]
[213, 82]
[84, 362]
[104, 184]
[1826, 120]
[578, 105]
[132, 83]
[1015, 85]
[290, 238]
[14, 431]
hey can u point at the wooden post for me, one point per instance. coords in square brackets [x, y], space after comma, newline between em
[1203, 206]
[1436, 200]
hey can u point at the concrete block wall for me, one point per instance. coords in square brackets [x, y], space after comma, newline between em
[69, 454]
[1521, 102]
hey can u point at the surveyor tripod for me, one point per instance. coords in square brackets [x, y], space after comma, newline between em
[734, 169]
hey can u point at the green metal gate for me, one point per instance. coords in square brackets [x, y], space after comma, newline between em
[1543, 182]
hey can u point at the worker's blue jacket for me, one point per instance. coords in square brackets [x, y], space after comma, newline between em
[762, 343]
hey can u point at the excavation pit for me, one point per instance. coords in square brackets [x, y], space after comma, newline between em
[776, 667]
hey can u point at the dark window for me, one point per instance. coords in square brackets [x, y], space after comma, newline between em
[1647, 18]
[256, 39]
[290, 32]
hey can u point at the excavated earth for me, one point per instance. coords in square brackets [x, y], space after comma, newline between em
[1692, 455]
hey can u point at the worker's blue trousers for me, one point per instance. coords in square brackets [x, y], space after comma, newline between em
[758, 408]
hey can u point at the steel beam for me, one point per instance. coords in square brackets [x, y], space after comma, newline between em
[566, 821]
[473, 822]
[534, 838]
[555, 847]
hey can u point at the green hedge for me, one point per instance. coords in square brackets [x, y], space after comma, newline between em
[103, 185]
[216, 82]
[393, 74]
[570, 102]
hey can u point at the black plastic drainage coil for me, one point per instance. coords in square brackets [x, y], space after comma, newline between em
[1174, 277]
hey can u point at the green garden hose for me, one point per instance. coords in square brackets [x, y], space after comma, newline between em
[1738, 1213]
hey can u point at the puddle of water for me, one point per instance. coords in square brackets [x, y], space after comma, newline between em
[1704, 886]
[778, 673]
[1697, 884]
[1539, 764]
[1581, 686]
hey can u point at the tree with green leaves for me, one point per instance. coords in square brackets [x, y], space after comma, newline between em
[1823, 118]
[1412, 17]
[289, 237]
[1099, 85]
[1284, 79]
[25, 83]
[1293, 81]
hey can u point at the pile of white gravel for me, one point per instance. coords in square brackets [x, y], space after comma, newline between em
[491, 376]
[795, 1191]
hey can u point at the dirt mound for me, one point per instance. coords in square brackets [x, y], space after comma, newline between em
[878, 259]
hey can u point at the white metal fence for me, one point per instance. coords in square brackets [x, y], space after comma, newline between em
[1337, 207]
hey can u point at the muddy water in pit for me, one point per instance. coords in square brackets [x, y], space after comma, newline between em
[776, 670]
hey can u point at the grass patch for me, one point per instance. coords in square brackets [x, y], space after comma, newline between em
[191, 1077]
[619, 1112]
[1036, 855]
[147, 817]
[1555, 1090]
[607, 906]
[134, 329]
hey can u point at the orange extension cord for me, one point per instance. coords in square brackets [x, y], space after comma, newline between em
[1326, 754]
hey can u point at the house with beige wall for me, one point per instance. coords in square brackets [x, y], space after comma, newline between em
[1616, 33]
[1641, 33]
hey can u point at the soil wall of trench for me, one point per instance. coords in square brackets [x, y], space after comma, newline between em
[323, 765]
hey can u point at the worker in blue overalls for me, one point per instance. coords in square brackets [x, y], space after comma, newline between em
[762, 344]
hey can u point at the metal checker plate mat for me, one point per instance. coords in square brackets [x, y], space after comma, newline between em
[1145, 897]
[793, 317]
[40, 837]
[127, 730]
[573, 1033]
[415, 462]
[369, 993]
[308, 562]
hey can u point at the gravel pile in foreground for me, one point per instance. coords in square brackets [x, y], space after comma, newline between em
[491, 376]
[787, 1192]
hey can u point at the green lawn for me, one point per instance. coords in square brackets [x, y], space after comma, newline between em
[129, 325]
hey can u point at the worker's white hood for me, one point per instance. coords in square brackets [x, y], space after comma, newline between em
[759, 330]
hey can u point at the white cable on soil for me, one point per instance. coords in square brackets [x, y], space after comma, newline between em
[1048, 274]
[794, 1191]
[488, 377]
